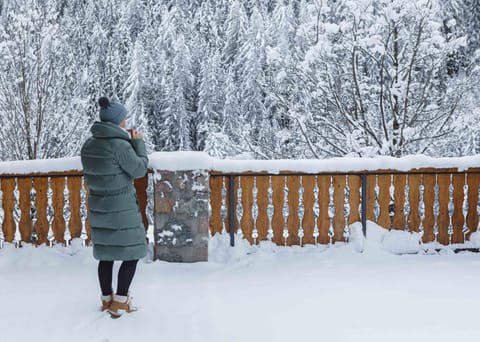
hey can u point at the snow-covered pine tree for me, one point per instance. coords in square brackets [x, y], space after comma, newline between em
[177, 83]
[154, 63]
[133, 94]
[283, 99]
[466, 16]
[233, 137]
[211, 93]
[211, 78]
[135, 16]
[231, 140]
[236, 26]
[250, 61]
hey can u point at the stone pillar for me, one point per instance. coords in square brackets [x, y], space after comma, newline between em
[181, 216]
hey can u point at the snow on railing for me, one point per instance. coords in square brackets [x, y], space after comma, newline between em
[175, 161]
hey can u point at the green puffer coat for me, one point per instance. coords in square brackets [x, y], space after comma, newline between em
[111, 160]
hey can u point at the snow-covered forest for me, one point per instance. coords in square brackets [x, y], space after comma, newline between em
[260, 78]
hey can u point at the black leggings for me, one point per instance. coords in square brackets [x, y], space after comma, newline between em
[125, 276]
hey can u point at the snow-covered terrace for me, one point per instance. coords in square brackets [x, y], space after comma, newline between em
[366, 290]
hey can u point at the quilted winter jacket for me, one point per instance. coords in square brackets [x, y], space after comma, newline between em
[111, 160]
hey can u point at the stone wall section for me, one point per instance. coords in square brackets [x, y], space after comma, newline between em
[181, 216]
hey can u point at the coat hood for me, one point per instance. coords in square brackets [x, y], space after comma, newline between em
[108, 130]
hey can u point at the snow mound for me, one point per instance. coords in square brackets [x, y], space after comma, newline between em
[372, 244]
[220, 251]
[401, 242]
[380, 240]
[357, 240]
[475, 239]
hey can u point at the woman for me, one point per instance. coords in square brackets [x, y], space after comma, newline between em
[111, 159]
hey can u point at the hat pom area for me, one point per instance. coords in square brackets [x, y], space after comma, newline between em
[103, 102]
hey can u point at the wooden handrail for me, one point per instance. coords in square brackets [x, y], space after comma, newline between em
[292, 208]
[41, 206]
[289, 208]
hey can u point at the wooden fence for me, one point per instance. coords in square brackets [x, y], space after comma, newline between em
[288, 208]
[298, 208]
[50, 207]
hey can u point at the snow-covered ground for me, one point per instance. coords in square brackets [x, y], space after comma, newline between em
[260, 293]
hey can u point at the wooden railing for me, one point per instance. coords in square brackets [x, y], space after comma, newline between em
[299, 208]
[288, 208]
[50, 207]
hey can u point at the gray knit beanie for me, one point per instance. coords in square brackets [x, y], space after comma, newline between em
[113, 112]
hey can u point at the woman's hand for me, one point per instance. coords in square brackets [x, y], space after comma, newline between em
[135, 134]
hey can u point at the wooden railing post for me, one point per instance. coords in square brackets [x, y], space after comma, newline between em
[364, 204]
[8, 200]
[74, 200]
[41, 226]
[25, 224]
[231, 209]
[141, 185]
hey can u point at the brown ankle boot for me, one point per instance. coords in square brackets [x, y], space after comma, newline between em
[121, 304]
[106, 301]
